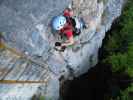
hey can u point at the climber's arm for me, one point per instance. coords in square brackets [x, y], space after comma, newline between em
[70, 41]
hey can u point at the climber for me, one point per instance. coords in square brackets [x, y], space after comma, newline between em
[67, 26]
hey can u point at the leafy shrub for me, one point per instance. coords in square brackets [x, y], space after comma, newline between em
[118, 62]
[119, 45]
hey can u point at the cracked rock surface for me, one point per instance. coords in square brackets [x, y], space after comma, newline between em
[26, 28]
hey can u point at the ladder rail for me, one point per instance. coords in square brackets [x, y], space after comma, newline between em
[27, 57]
[22, 82]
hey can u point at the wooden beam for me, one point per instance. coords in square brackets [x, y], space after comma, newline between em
[21, 82]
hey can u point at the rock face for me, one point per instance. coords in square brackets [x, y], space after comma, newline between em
[30, 58]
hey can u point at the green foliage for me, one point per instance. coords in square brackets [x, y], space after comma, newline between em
[104, 1]
[130, 58]
[120, 42]
[42, 98]
[127, 22]
[112, 44]
[1, 41]
[1, 33]
[122, 61]
[119, 48]
[125, 95]
[118, 62]
[35, 97]
[129, 70]
[130, 89]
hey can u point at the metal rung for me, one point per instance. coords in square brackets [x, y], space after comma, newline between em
[27, 57]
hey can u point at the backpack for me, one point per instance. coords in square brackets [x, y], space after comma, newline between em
[76, 31]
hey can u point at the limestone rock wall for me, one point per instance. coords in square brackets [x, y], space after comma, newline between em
[26, 28]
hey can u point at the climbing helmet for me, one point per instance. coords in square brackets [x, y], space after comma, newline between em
[58, 22]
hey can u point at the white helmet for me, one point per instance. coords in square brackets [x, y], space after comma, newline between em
[58, 22]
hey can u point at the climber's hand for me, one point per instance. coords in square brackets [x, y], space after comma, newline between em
[60, 48]
[57, 44]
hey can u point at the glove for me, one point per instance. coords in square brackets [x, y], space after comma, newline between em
[57, 44]
[60, 49]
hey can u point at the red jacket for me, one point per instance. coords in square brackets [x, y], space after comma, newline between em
[68, 28]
